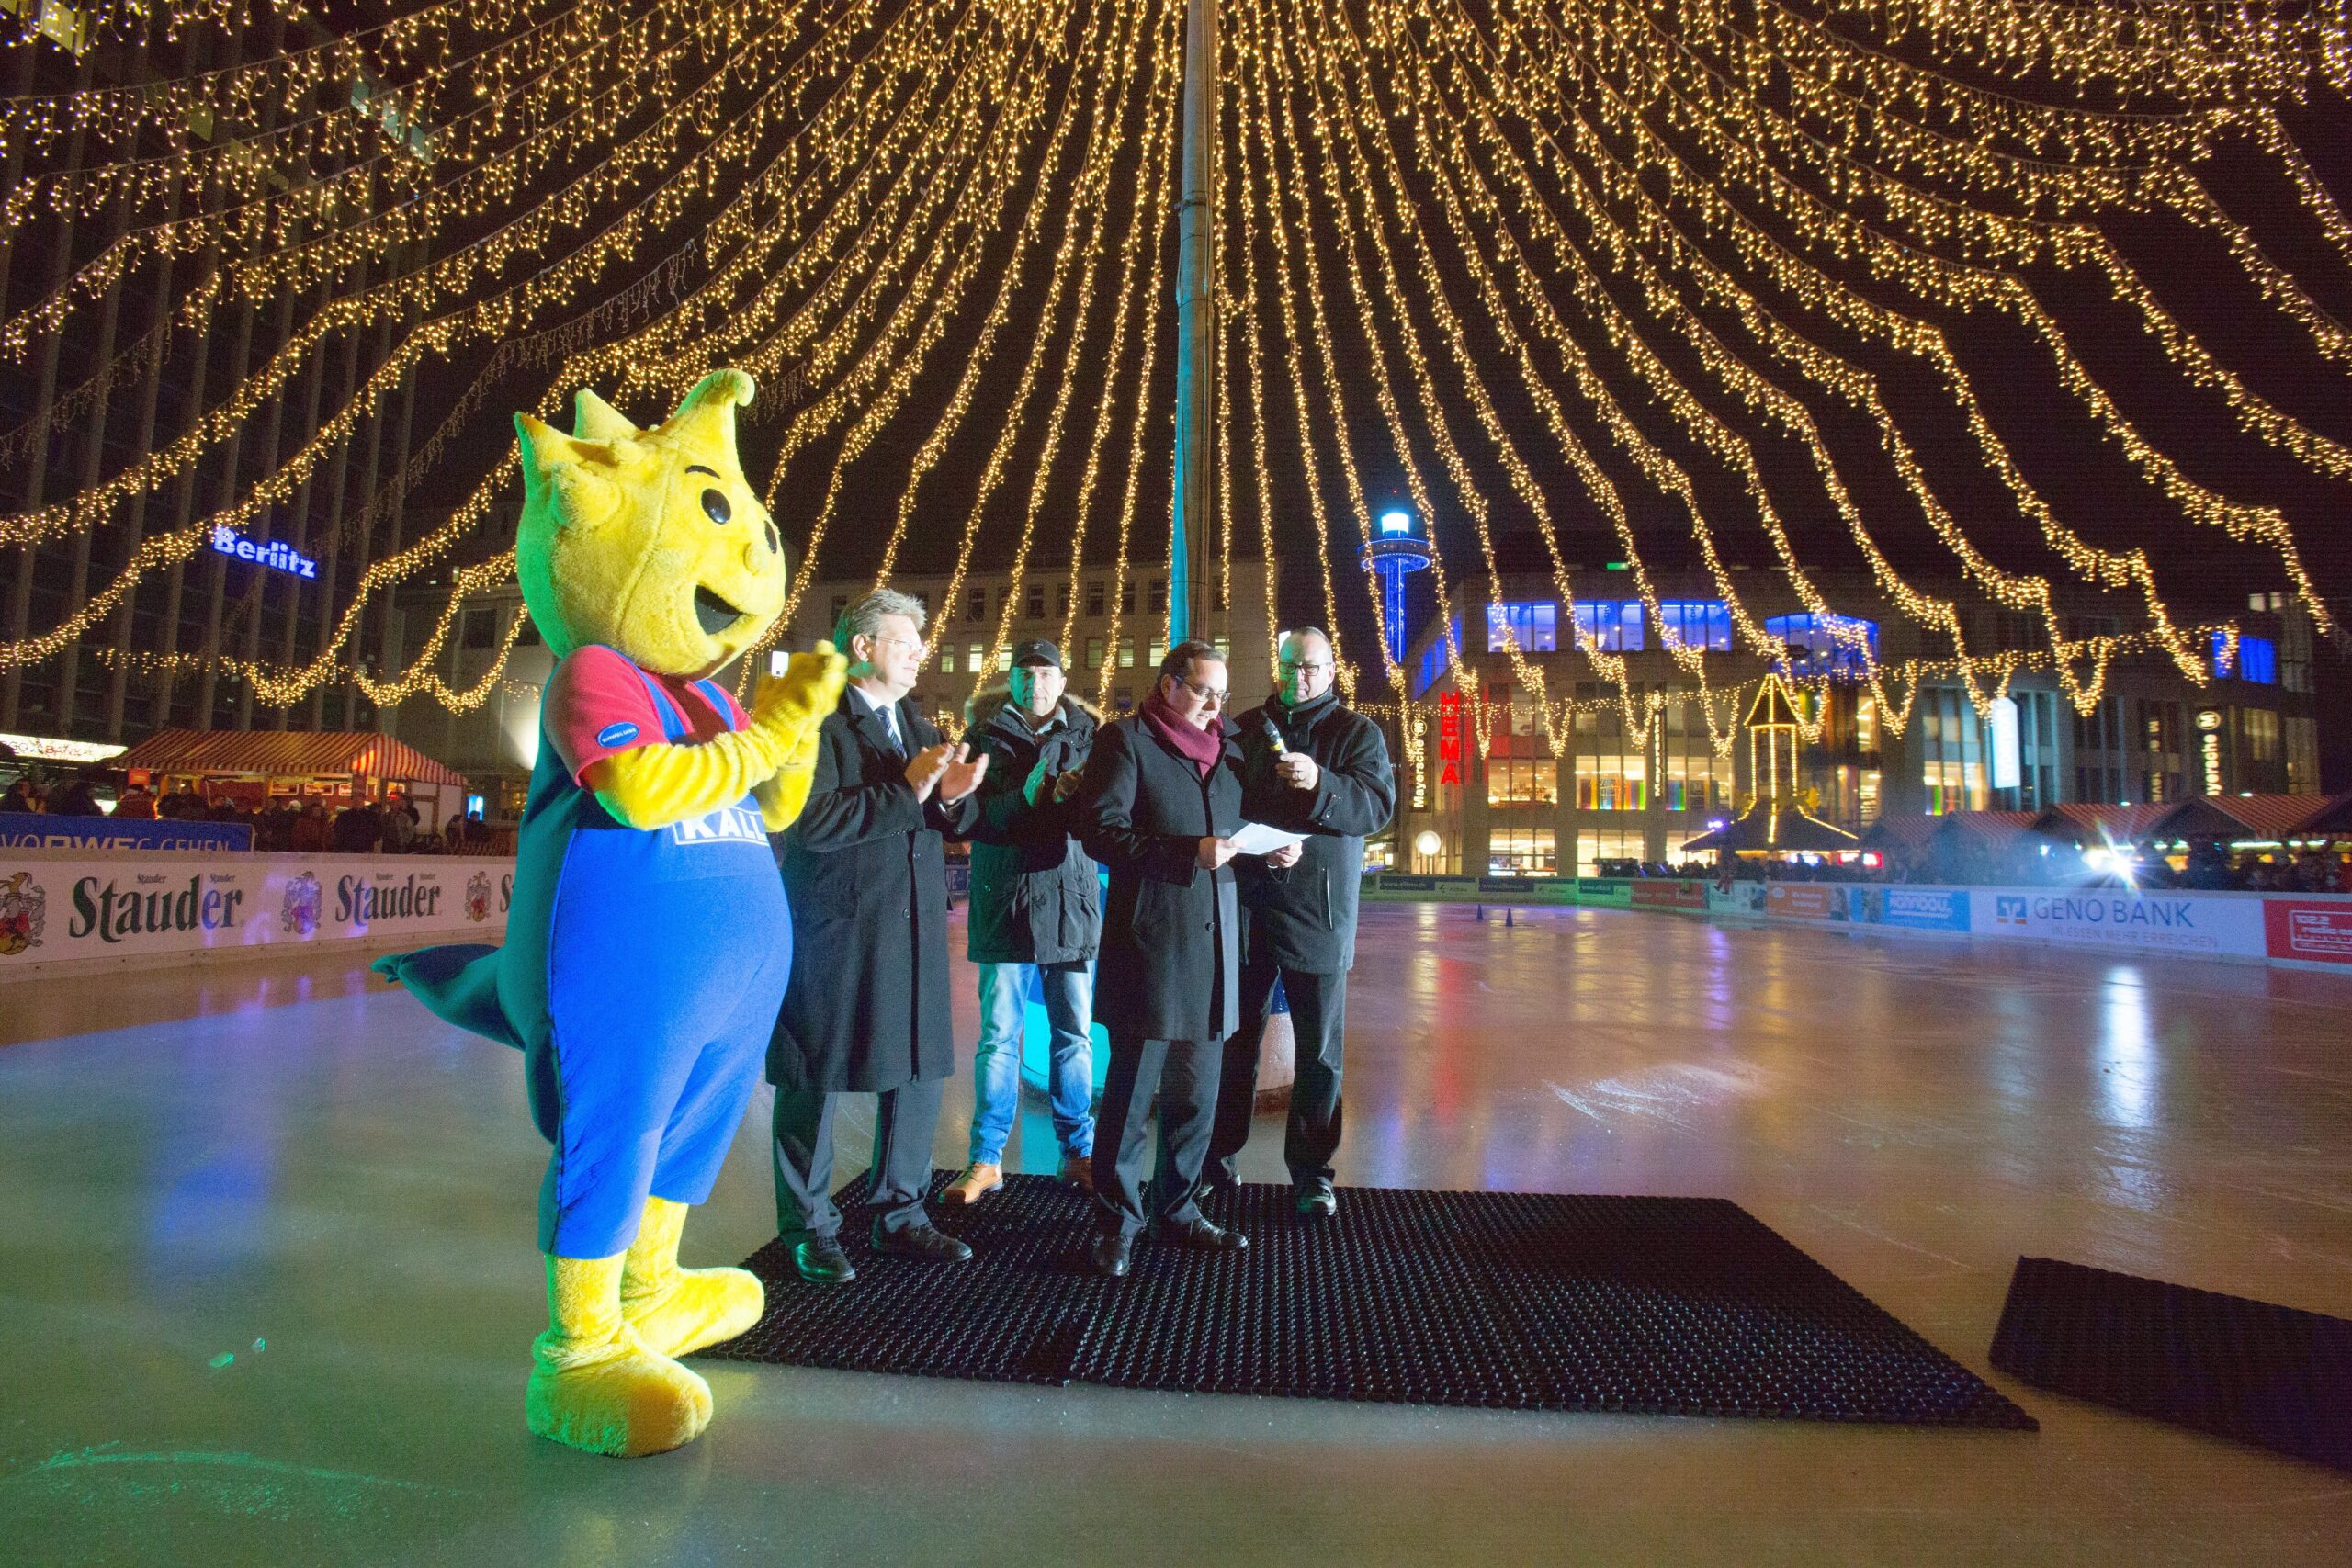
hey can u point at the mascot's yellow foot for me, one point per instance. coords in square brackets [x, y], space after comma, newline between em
[676, 1311]
[595, 1385]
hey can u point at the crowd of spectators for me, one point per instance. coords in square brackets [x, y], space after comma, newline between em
[391, 827]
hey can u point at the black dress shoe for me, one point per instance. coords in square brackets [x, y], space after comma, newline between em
[1315, 1199]
[927, 1242]
[1108, 1252]
[1200, 1235]
[822, 1262]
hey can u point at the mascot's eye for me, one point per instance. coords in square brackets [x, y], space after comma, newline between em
[714, 505]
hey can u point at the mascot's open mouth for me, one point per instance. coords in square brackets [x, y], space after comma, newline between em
[715, 613]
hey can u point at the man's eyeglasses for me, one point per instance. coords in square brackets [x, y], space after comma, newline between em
[1310, 667]
[913, 645]
[1206, 693]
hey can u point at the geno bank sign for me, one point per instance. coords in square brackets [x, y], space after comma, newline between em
[276, 555]
[2220, 925]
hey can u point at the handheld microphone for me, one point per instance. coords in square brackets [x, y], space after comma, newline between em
[1273, 734]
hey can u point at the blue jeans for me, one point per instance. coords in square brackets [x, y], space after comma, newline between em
[996, 1066]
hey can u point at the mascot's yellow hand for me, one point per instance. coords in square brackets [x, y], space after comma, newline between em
[809, 688]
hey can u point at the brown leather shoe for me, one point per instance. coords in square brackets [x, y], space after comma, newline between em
[1079, 1171]
[977, 1182]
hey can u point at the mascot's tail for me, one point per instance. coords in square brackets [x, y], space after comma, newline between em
[459, 983]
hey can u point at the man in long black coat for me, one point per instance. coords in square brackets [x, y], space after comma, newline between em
[866, 1011]
[1158, 806]
[1313, 766]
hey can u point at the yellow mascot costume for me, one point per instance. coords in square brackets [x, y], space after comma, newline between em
[648, 941]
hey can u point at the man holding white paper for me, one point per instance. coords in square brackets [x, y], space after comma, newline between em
[1310, 767]
[1160, 807]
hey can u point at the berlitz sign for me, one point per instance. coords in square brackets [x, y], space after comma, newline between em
[277, 555]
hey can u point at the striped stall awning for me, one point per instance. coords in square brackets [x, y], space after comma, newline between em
[285, 754]
[2334, 817]
[2081, 822]
[2260, 818]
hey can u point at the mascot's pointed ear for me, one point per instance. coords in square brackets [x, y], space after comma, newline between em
[556, 465]
[705, 423]
[594, 419]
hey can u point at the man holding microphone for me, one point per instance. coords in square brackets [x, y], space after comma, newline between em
[1308, 765]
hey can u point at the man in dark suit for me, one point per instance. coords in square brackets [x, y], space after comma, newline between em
[1309, 765]
[1158, 806]
[866, 1012]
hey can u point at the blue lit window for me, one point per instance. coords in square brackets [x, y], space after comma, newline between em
[1434, 660]
[1610, 625]
[1698, 623]
[1536, 623]
[2257, 658]
[1828, 639]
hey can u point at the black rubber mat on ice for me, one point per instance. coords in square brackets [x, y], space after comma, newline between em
[1516, 1301]
[2241, 1369]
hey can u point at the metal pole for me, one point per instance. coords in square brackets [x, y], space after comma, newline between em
[1190, 529]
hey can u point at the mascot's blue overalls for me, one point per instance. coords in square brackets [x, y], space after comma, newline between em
[641, 976]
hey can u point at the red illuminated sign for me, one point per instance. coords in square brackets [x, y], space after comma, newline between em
[1449, 738]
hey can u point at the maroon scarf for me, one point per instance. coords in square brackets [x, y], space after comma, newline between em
[1201, 748]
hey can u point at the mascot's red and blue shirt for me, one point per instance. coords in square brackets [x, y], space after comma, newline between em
[600, 704]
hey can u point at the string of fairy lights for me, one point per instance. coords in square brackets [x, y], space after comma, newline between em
[1702, 235]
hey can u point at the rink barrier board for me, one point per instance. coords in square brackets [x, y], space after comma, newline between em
[75, 909]
[2296, 930]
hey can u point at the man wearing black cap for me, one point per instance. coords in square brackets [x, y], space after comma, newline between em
[1036, 912]
[1312, 766]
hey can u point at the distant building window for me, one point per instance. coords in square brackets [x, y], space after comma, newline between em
[1095, 653]
[1126, 653]
[1826, 642]
[1698, 622]
[1036, 609]
[1223, 645]
[529, 636]
[1061, 598]
[977, 653]
[1159, 601]
[2257, 659]
[1533, 625]
[1095, 598]
[947, 659]
[1434, 660]
[480, 628]
[1127, 596]
[841, 602]
[1159, 653]
[975, 604]
[1610, 625]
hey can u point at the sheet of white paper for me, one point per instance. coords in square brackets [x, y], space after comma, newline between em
[1256, 839]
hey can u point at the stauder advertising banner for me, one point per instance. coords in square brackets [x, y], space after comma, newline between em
[63, 908]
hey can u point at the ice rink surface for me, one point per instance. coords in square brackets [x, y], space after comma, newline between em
[268, 1277]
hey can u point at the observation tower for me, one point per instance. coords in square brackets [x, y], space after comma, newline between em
[1396, 550]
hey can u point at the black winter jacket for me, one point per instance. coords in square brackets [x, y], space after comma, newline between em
[1036, 898]
[1305, 916]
